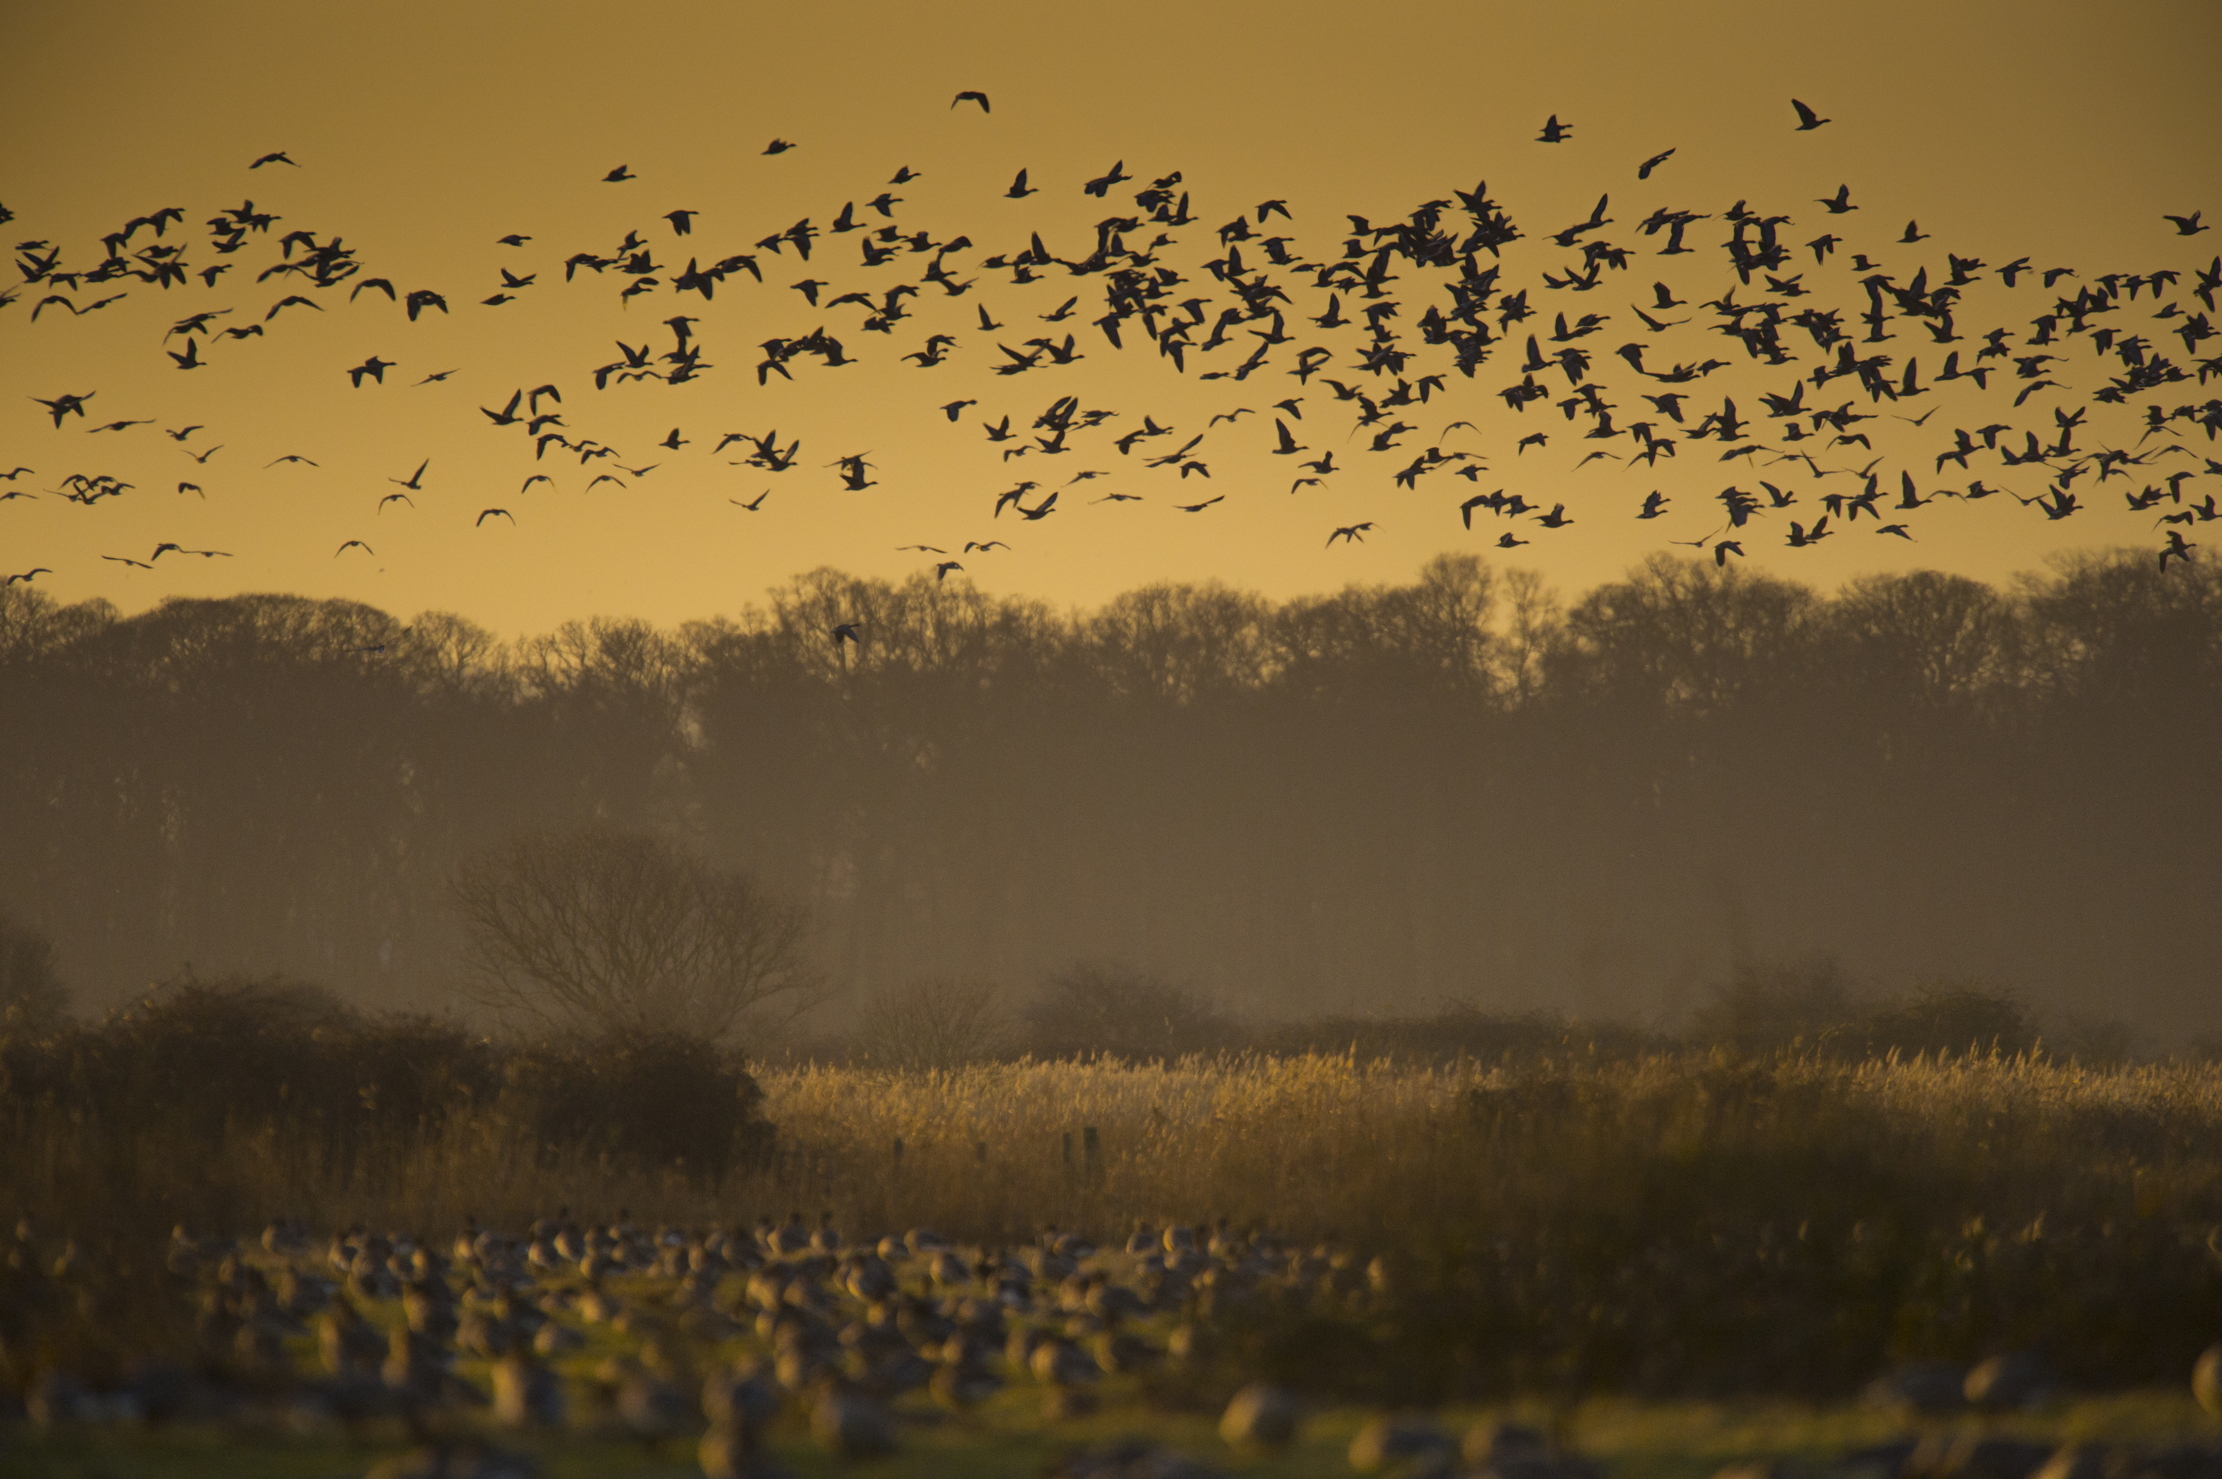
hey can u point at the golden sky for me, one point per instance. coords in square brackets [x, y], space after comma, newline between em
[422, 133]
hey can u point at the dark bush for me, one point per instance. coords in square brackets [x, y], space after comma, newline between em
[1116, 1009]
[1949, 1018]
[233, 1006]
[1766, 1007]
[645, 1100]
[197, 1062]
[1773, 1008]
[201, 1060]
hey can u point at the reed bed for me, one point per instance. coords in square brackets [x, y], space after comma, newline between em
[1313, 1144]
[1683, 1223]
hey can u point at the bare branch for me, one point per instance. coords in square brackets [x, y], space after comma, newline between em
[600, 930]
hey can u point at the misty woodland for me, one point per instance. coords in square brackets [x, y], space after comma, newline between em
[1457, 789]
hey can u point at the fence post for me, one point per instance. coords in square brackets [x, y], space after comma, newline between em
[1068, 1148]
[1090, 1148]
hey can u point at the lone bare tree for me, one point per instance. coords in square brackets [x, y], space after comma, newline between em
[940, 1022]
[601, 930]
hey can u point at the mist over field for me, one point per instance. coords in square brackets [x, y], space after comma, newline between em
[1458, 789]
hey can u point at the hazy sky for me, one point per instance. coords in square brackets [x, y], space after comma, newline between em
[422, 133]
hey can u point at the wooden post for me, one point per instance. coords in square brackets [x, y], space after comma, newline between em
[1091, 1147]
[1068, 1147]
[980, 1151]
[898, 1152]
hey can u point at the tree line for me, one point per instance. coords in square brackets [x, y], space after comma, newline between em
[1461, 788]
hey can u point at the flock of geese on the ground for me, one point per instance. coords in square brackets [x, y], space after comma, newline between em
[729, 1339]
[734, 1337]
[1362, 359]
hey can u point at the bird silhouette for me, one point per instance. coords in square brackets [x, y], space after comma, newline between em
[67, 405]
[971, 97]
[1807, 118]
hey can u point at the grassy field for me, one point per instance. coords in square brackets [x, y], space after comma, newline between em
[1007, 1440]
[1675, 1261]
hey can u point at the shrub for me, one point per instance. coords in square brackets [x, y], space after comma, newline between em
[205, 1058]
[1119, 1010]
[1767, 1007]
[648, 1101]
[331, 1095]
[1948, 1018]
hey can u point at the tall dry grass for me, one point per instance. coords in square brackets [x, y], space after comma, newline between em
[1676, 1224]
[995, 1150]
[1374, 1150]
[1673, 1223]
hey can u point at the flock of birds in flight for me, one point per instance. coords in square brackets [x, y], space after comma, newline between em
[1241, 322]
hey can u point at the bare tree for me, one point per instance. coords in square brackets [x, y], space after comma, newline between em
[936, 1023]
[603, 930]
